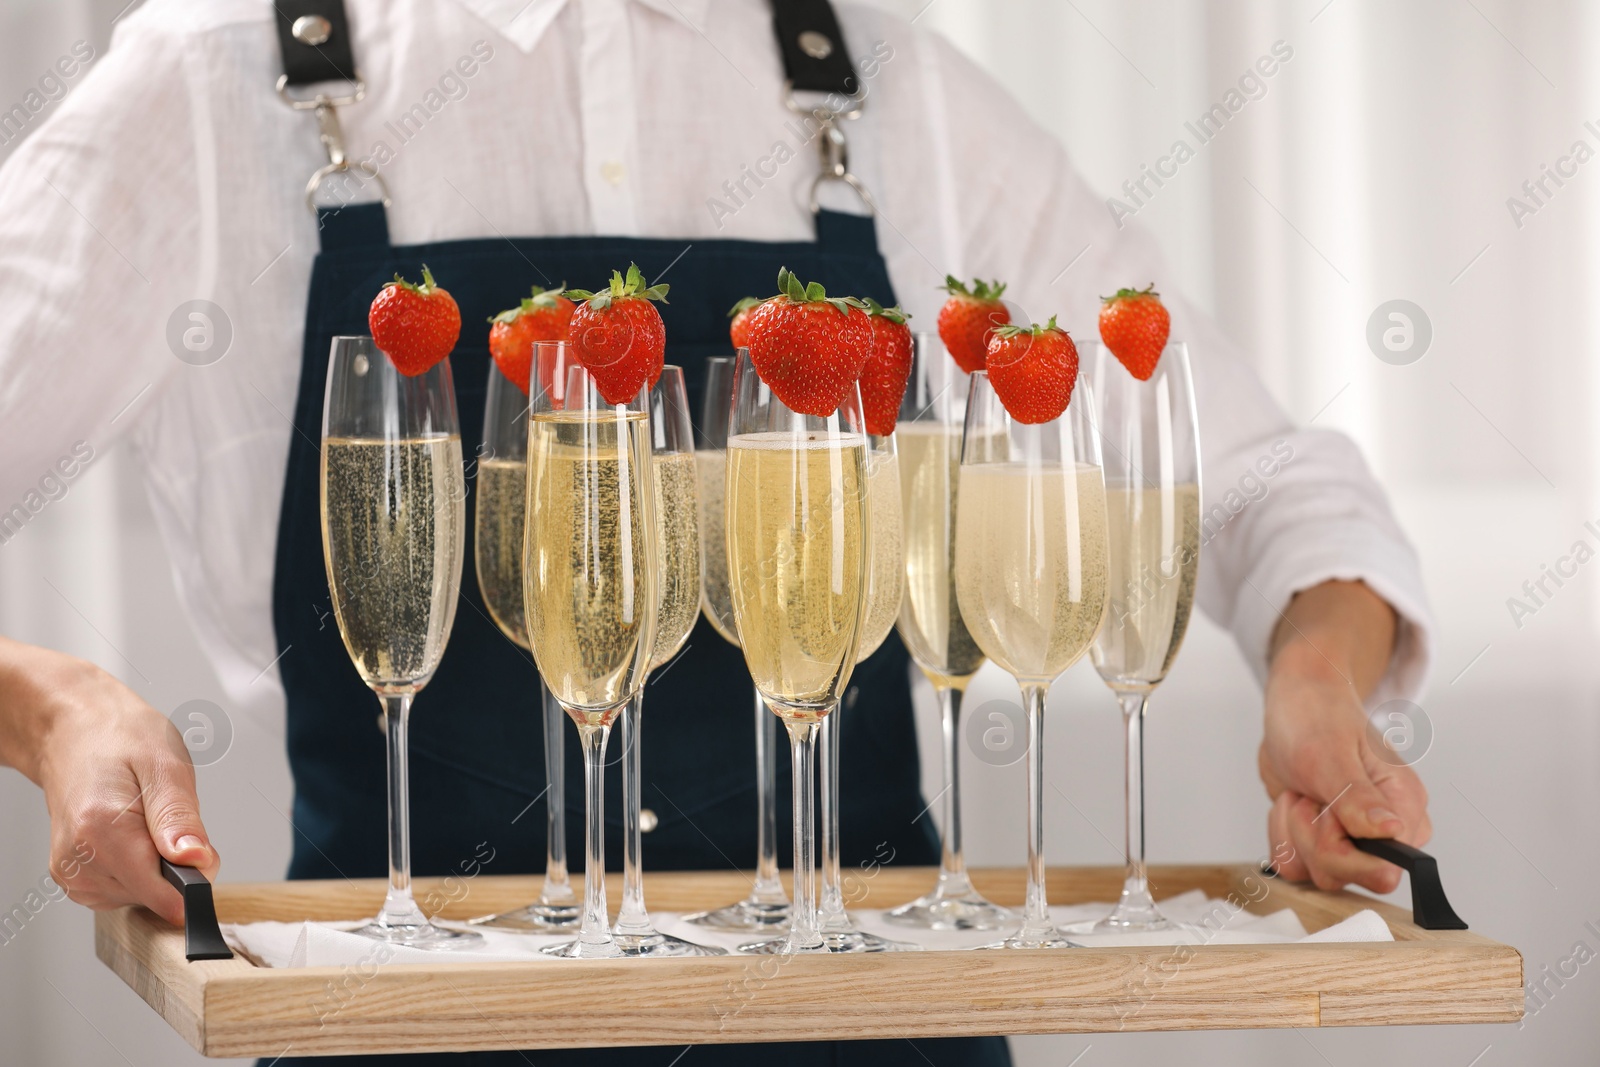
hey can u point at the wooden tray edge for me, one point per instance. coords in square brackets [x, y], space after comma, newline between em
[147, 954]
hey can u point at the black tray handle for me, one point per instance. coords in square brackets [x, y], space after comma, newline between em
[201, 935]
[1429, 908]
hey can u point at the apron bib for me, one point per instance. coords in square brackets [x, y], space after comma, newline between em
[477, 743]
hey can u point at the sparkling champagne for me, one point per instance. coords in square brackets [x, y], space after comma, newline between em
[502, 492]
[678, 535]
[886, 567]
[930, 617]
[797, 560]
[588, 556]
[393, 532]
[1155, 557]
[1031, 563]
[711, 465]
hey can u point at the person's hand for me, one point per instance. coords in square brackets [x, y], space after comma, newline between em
[1327, 770]
[116, 777]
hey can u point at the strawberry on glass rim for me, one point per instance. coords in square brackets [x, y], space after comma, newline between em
[888, 369]
[1134, 324]
[968, 318]
[739, 328]
[416, 326]
[810, 347]
[544, 316]
[1033, 369]
[618, 336]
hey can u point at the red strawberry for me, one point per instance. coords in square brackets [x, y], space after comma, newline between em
[414, 325]
[809, 347]
[967, 318]
[1033, 370]
[739, 328]
[1134, 324]
[619, 336]
[542, 317]
[883, 380]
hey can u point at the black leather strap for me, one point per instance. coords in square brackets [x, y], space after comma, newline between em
[806, 29]
[306, 64]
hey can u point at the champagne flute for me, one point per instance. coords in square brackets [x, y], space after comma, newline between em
[929, 436]
[1031, 574]
[678, 554]
[767, 906]
[502, 493]
[393, 534]
[1151, 437]
[589, 580]
[886, 579]
[885, 586]
[797, 529]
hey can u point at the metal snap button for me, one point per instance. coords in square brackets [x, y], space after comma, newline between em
[311, 29]
[816, 45]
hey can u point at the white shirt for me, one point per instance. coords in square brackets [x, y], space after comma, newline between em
[174, 173]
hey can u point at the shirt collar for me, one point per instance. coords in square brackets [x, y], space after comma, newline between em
[523, 22]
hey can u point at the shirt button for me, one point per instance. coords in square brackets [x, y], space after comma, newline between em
[647, 820]
[613, 172]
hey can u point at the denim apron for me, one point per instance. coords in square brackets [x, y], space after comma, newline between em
[477, 746]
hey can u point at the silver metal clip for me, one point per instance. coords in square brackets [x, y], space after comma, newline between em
[836, 167]
[331, 132]
[831, 143]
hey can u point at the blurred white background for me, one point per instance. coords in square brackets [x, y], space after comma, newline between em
[1377, 165]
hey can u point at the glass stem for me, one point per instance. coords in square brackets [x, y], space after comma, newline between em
[832, 906]
[557, 887]
[768, 889]
[1136, 887]
[399, 908]
[632, 918]
[803, 930]
[1035, 913]
[596, 929]
[953, 879]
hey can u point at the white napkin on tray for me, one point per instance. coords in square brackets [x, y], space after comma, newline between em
[1214, 922]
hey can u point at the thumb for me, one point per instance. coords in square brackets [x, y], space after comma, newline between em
[172, 814]
[1361, 807]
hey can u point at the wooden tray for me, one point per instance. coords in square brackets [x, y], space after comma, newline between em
[233, 1008]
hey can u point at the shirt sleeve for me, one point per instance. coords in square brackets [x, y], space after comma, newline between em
[98, 225]
[1283, 508]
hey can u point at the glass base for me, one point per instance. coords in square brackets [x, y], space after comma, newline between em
[750, 915]
[656, 943]
[585, 950]
[1135, 913]
[1050, 939]
[423, 935]
[861, 941]
[937, 911]
[533, 919]
[782, 946]
[1134, 921]
[845, 941]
